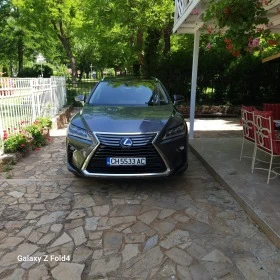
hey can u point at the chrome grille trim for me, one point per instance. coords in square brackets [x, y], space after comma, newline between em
[113, 140]
[141, 140]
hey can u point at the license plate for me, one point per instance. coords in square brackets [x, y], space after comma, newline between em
[114, 161]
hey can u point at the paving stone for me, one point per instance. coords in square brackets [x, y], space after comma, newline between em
[216, 256]
[218, 270]
[102, 267]
[103, 222]
[121, 220]
[75, 214]
[38, 273]
[117, 201]
[46, 239]
[181, 218]
[22, 250]
[69, 271]
[125, 210]
[27, 264]
[78, 235]
[94, 235]
[101, 210]
[17, 274]
[35, 236]
[251, 268]
[129, 251]
[151, 242]
[140, 266]
[133, 201]
[25, 207]
[74, 223]
[91, 223]
[96, 244]
[13, 214]
[46, 219]
[134, 238]
[197, 271]
[14, 225]
[81, 254]
[56, 227]
[58, 204]
[122, 227]
[2, 234]
[10, 242]
[168, 270]
[183, 272]
[97, 254]
[195, 250]
[148, 217]
[34, 214]
[163, 227]
[112, 242]
[166, 213]
[83, 201]
[179, 256]
[140, 227]
[39, 207]
[64, 238]
[16, 194]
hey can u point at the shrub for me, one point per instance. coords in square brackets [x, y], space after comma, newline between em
[16, 143]
[37, 134]
[45, 123]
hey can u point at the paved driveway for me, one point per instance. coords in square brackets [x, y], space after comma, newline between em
[56, 226]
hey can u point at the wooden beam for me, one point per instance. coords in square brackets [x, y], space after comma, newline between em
[272, 57]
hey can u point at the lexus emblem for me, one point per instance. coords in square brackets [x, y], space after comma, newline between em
[126, 142]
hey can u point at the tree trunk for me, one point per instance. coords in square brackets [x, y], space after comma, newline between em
[67, 47]
[166, 36]
[139, 47]
[20, 50]
[151, 53]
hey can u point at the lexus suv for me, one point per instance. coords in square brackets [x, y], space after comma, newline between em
[128, 127]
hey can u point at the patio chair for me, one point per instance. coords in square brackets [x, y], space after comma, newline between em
[247, 125]
[265, 140]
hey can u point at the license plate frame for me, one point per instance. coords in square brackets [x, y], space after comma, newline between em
[126, 161]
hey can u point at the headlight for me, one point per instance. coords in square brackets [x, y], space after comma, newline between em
[175, 131]
[78, 132]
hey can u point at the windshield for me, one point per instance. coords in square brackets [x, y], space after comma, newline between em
[144, 93]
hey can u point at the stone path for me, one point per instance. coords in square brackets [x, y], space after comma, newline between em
[56, 226]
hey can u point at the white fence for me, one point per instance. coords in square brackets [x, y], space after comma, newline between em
[22, 100]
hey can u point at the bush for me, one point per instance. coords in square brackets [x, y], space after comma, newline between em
[33, 136]
[17, 143]
[45, 123]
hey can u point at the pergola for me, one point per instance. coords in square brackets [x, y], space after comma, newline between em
[188, 19]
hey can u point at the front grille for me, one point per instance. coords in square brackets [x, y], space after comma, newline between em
[110, 147]
[114, 140]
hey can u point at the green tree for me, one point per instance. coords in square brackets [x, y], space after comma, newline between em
[57, 19]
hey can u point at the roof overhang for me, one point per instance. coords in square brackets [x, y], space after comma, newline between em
[188, 16]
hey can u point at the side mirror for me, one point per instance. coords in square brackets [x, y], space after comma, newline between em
[178, 98]
[80, 98]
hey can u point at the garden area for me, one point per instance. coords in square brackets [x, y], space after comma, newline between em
[19, 143]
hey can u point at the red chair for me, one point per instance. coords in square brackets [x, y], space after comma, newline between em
[274, 107]
[247, 123]
[265, 139]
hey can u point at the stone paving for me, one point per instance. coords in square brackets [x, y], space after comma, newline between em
[56, 226]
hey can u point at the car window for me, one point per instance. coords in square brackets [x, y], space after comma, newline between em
[147, 93]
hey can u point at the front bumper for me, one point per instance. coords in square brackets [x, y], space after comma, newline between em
[163, 157]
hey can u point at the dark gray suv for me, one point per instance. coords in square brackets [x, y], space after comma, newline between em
[128, 127]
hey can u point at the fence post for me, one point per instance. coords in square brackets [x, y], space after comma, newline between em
[33, 105]
[1, 137]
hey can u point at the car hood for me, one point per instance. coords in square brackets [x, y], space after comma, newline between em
[120, 119]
